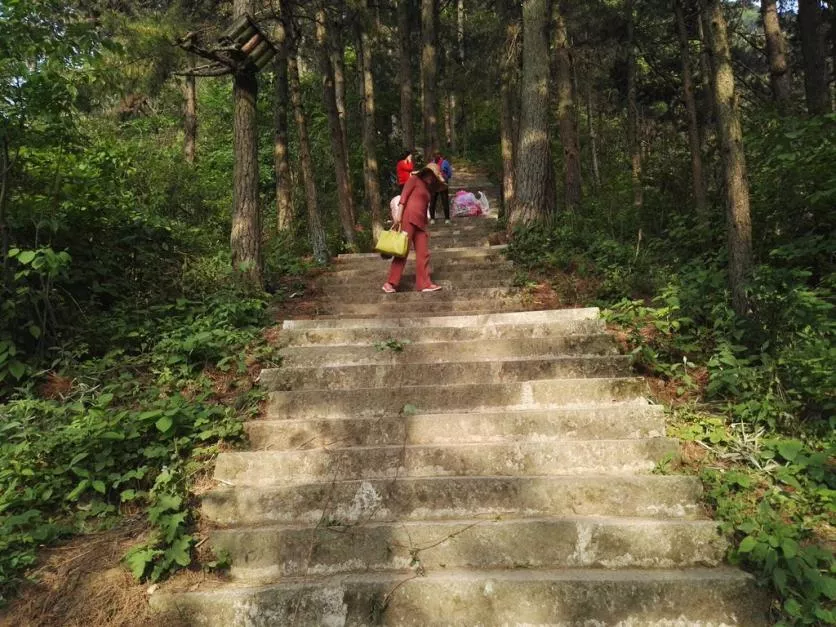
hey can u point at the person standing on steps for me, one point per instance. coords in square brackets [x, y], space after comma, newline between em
[412, 218]
[447, 172]
[404, 169]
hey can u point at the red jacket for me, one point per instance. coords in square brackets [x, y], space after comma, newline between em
[404, 169]
[415, 199]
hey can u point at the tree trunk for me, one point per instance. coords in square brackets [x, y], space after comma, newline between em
[370, 169]
[245, 239]
[691, 110]
[706, 75]
[338, 63]
[345, 201]
[406, 74]
[535, 172]
[458, 111]
[284, 197]
[632, 110]
[593, 135]
[429, 76]
[190, 117]
[449, 104]
[567, 115]
[316, 234]
[816, 87]
[507, 95]
[734, 159]
[776, 52]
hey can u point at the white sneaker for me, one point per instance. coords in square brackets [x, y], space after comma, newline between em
[447, 222]
[432, 221]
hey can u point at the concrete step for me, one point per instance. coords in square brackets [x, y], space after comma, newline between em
[445, 268]
[486, 253]
[571, 597]
[558, 457]
[398, 375]
[427, 306]
[569, 332]
[446, 498]
[404, 351]
[576, 423]
[466, 277]
[552, 316]
[454, 398]
[374, 284]
[376, 296]
[270, 553]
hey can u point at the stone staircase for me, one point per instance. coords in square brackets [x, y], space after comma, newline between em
[448, 459]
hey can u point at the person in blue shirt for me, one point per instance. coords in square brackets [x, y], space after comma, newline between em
[447, 172]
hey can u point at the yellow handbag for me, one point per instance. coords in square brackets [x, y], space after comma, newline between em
[395, 243]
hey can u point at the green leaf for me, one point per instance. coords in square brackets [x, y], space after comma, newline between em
[17, 369]
[747, 544]
[179, 551]
[789, 449]
[138, 559]
[165, 423]
[789, 547]
[99, 486]
[26, 257]
[78, 490]
[779, 576]
[35, 331]
[77, 459]
[127, 495]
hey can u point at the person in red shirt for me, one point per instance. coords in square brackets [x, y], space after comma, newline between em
[404, 168]
[417, 192]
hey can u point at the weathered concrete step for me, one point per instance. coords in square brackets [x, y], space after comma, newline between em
[577, 423]
[557, 457]
[427, 305]
[393, 349]
[445, 498]
[568, 332]
[550, 316]
[466, 252]
[454, 398]
[373, 284]
[444, 268]
[269, 553]
[451, 372]
[444, 242]
[705, 597]
[377, 296]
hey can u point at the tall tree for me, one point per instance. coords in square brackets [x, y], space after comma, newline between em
[567, 114]
[592, 132]
[337, 50]
[245, 239]
[507, 96]
[458, 113]
[632, 108]
[816, 86]
[190, 116]
[316, 233]
[368, 35]
[697, 180]
[338, 149]
[535, 172]
[776, 53]
[405, 65]
[739, 223]
[284, 197]
[429, 76]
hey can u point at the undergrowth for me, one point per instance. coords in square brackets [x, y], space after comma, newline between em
[129, 432]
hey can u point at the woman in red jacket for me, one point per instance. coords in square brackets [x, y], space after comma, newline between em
[417, 192]
[404, 168]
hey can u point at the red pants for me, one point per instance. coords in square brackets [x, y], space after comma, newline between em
[420, 241]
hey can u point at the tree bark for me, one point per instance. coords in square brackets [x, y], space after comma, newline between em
[458, 111]
[338, 63]
[284, 197]
[776, 53]
[734, 160]
[593, 135]
[507, 96]
[535, 172]
[245, 239]
[345, 200]
[429, 76]
[316, 234]
[370, 169]
[567, 114]
[694, 143]
[816, 86]
[632, 110]
[404, 38]
[190, 117]
[706, 73]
